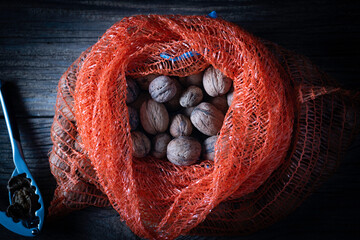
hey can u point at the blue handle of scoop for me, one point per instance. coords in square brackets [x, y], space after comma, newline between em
[20, 167]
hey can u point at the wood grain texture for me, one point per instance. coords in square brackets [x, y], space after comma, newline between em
[40, 39]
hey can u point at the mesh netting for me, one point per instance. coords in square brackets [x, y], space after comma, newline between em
[283, 134]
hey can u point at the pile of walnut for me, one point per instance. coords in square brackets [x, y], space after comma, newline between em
[24, 200]
[180, 117]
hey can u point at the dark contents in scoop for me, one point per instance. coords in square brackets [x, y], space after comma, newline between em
[23, 197]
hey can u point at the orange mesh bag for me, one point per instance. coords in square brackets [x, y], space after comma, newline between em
[283, 135]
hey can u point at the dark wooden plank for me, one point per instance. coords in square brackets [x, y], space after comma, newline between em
[40, 39]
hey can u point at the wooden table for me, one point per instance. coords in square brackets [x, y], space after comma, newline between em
[39, 40]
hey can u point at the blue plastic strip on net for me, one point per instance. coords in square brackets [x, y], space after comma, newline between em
[181, 57]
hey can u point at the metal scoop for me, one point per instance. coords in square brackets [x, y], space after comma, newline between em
[32, 226]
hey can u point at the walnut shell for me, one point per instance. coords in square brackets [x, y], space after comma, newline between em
[133, 118]
[208, 148]
[145, 81]
[24, 201]
[229, 98]
[57, 165]
[215, 82]
[78, 144]
[183, 151]
[63, 133]
[174, 103]
[162, 89]
[154, 117]
[141, 144]
[220, 103]
[195, 79]
[191, 97]
[159, 144]
[67, 100]
[132, 90]
[67, 106]
[180, 126]
[207, 118]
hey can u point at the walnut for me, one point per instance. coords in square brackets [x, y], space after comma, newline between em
[66, 101]
[229, 98]
[63, 134]
[132, 90]
[159, 144]
[162, 89]
[66, 108]
[154, 117]
[220, 103]
[180, 126]
[24, 200]
[208, 148]
[187, 111]
[58, 164]
[207, 118]
[133, 118]
[215, 82]
[78, 144]
[145, 81]
[174, 103]
[183, 151]
[191, 96]
[140, 144]
[195, 79]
